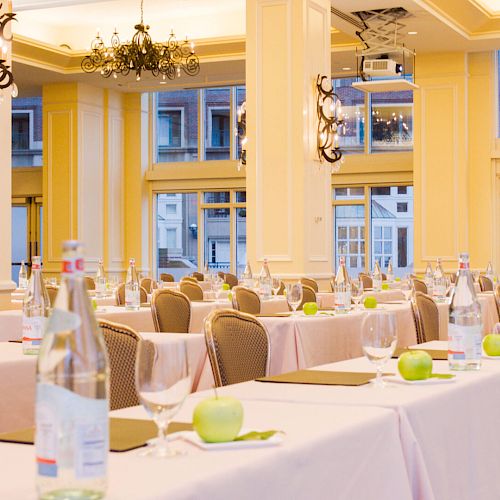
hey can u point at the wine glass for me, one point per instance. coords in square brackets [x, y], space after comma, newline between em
[275, 284]
[163, 382]
[294, 295]
[378, 339]
[357, 292]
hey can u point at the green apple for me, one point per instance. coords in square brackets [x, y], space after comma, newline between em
[491, 344]
[385, 286]
[310, 308]
[218, 419]
[94, 304]
[415, 365]
[229, 296]
[226, 286]
[397, 279]
[370, 302]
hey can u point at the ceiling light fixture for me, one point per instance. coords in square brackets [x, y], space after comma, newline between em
[412, 32]
[346, 69]
[142, 54]
[6, 76]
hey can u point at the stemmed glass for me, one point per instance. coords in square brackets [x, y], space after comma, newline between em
[357, 292]
[378, 339]
[217, 283]
[294, 295]
[163, 382]
[275, 284]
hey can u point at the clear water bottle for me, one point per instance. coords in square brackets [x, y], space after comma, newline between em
[265, 281]
[72, 437]
[390, 271]
[23, 276]
[464, 327]
[439, 282]
[342, 288]
[429, 278]
[377, 277]
[132, 288]
[247, 276]
[36, 309]
[100, 280]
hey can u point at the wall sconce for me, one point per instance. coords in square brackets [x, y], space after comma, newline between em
[6, 76]
[330, 123]
[241, 132]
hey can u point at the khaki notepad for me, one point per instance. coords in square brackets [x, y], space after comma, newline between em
[436, 354]
[125, 434]
[316, 377]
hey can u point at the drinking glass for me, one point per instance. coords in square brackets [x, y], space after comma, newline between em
[276, 284]
[357, 292]
[294, 295]
[378, 339]
[217, 283]
[163, 382]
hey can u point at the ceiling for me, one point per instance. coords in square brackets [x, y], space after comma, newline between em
[62, 31]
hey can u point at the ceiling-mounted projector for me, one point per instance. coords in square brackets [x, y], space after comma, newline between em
[381, 67]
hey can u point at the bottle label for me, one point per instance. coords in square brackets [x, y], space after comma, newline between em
[464, 342]
[343, 300]
[33, 329]
[23, 282]
[71, 433]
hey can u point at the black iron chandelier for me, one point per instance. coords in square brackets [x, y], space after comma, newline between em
[6, 76]
[330, 122]
[142, 54]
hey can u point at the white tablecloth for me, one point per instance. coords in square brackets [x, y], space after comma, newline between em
[327, 453]
[326, 300]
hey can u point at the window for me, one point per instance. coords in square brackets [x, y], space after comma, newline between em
[216, 197]
[402, 189]
[177, 233]
[391, 229]
[177, 126]
[170, 128]
[220, 128]
[217, 103]
[27, 132]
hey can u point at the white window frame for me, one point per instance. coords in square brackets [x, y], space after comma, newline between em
[33, 145]
[209, 125]
[171, 108]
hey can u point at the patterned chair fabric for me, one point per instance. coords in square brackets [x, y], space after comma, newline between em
[308, 295]
[198, 276]
[281, 289]
[419, 286]
[238, 347]
[231, 280]
[89, 283]
[310, 283]
[485, 284]
[147, 284]
[428, 316]
[189, 278]
[121, 343]
[192, 290]
[120, 295]
[246, 300]
[367, 280]
[167, 277]
[171, 311]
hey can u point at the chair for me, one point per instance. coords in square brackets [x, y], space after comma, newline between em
[192, 290]
[198, 276]
[120, 295]
[89, 282]
[147, 284]
[171, 311]
[121, 343]
[416, 321]
[238, 347]
[281, 289]
[485, 284]
[384, 277]
[310, 283]
[367, 280]
[231, 280]
[246, 300]
[497, 299]
[428, 316]
[189, 278]
[419, 286]
[452, 277]
[167, 277]
[308, 295]
[220, 274]
[52, 292]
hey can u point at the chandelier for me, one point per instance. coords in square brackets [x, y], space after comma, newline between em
[6, 76]
[330, 123]
[142, 54]
[241, 132]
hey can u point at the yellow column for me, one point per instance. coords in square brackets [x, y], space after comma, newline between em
[6, 283]
[440, 159]
[137, 208]
[288, 191]
[73, 177]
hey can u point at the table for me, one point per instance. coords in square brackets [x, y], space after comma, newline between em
[340, 455]
[446, 429]
[327, 299]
